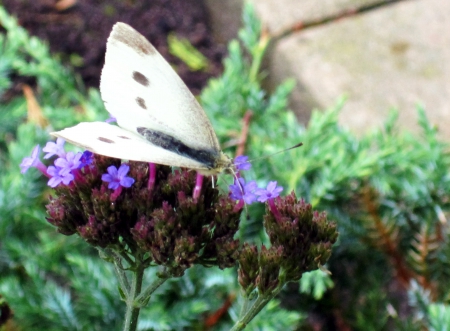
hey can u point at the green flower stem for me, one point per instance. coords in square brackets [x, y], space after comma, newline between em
[114, 257]
[142, 299]
[244, 307]
[127, 258]
[132, 312]
[256, 307]
[121, 276]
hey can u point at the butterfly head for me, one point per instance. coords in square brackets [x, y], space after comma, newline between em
[222, 164]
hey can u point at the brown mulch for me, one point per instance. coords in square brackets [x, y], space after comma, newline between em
[81, 27]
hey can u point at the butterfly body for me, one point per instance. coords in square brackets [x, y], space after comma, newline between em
[159, 120]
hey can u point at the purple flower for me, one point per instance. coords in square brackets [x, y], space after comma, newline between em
[117, 177]
[69, 162]
[272, 191]
[243, 191]
[111, 119]
[86, 159]
[54, 148]
[241, 163]
[31, 161]
[57, 177]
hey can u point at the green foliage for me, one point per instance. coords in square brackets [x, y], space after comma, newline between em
[27, 56]
[316, 283]
[407, 175]
[385, 180]
[37, 265]
[439, 315]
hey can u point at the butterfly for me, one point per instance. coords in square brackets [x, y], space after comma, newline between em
[159, 120]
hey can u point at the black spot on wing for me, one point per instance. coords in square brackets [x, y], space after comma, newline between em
[207, 157]
[140, 78]
[106, 140]
[141, 102]
[130, 37]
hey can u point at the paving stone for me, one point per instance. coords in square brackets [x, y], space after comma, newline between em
[278, 15]
[396, 56]
[225, 18]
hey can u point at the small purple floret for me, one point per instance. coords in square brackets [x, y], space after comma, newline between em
[117, 177]
[243, 191]
[54, 148]
[86, 159]
[57, 177]
[69, 162]
[111, 119]
[272, 191]
[31, 161]
[241, 163]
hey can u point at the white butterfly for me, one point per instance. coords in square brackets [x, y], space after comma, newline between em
[159, 119]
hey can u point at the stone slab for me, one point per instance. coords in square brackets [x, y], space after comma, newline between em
[225, 18]
[281, 15]
[396, 56]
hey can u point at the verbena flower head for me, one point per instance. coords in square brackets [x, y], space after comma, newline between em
[53, 148]
[162, 220]
[153, 209]
[118, 177]
[305, 235]
[301, 241]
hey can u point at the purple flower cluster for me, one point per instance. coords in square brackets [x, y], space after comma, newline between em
[180, 219]
[68, 165]
[249, 192]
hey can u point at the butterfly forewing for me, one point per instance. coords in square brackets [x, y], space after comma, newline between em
[140, 89]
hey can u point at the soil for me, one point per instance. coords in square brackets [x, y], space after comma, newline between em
[81, 27]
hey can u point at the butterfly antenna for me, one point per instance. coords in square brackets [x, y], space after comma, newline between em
[279, 152]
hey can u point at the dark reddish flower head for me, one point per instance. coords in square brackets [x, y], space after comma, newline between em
[114, 206]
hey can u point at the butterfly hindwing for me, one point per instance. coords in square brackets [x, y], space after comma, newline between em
[113, 141]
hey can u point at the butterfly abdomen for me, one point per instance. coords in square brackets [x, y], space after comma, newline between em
[207, 157]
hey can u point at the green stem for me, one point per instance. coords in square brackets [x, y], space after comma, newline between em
[142, 299]
[244, 307]
[121, 275]
[256, 307]
[132, 312]
[126, 258]
[112, 256]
